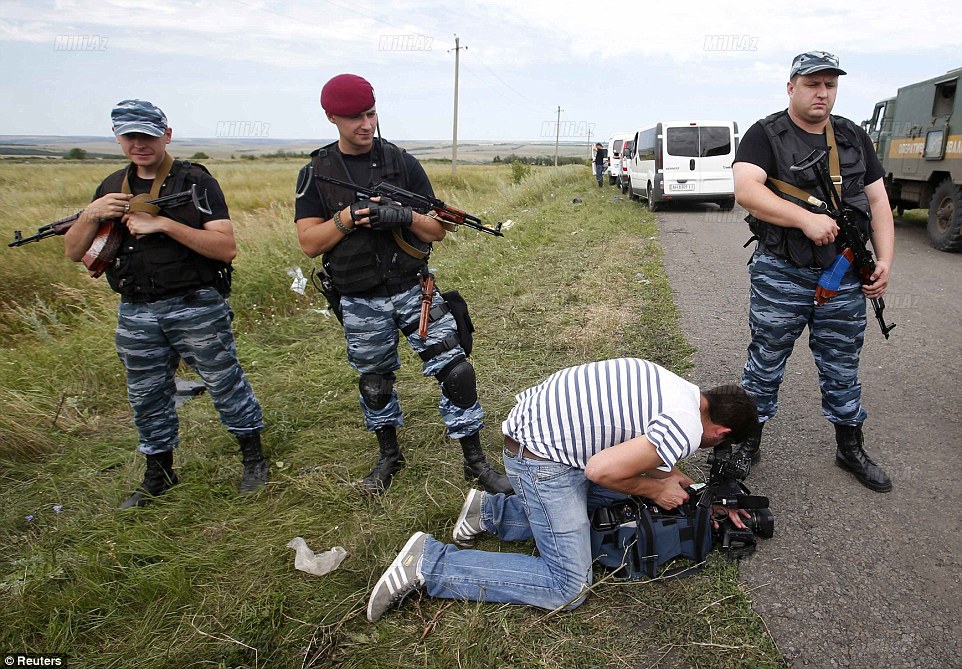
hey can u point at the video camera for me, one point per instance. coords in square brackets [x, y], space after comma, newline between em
[635, 538]
[725, 487]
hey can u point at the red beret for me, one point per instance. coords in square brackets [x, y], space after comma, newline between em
[347, 95]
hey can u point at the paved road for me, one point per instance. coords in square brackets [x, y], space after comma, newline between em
[852, 578]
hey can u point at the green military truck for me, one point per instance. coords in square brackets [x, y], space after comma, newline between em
[918, 138]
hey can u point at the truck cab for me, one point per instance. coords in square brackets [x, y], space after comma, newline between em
[918, 139]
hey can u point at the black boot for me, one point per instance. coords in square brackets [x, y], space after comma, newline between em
[851, 455]
[389, 462]
[158, 478]
[749, 451]
[476, 466]
[256, 468]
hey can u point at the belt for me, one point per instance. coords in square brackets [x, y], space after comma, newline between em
[512, 447]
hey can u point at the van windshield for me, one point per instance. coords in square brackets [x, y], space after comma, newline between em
[699, 142]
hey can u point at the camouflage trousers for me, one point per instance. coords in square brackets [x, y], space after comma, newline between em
[371, 326]
[782, 303]
[153, 337]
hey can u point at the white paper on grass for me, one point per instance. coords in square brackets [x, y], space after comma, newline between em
[315, 563]
[300, 281]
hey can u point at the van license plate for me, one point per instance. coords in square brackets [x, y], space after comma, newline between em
[681, 186]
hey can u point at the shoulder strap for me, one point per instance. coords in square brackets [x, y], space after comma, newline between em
[139, 202]
[796, 192]
[834, 167]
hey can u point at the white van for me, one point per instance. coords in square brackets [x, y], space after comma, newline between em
[615, 144]
[684, 161]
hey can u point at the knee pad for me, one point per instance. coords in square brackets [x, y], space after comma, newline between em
[376, 389]
[459, 383]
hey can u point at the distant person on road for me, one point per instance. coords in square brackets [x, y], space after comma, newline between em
[796, 242]
[375, 253]
[601, 161]
[583, 437]
[173, 275]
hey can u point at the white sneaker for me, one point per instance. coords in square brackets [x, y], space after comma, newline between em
[468, 525]
[401, 579]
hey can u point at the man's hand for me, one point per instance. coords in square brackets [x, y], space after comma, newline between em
[141, 223]
[376, 216]
[734, 515]
[111, 205]
[821, 229]
[879, 279]
[671, 492]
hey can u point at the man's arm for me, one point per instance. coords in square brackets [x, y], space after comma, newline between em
[214, 240]
[81, 234]
[883, 238]
[632, 467]
[317, 236]
[752, 194]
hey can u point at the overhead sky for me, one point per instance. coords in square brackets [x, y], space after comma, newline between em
[255, 68]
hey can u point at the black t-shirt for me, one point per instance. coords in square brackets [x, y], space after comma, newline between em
[309, 205]
[205, 182]
[600, 156]
[756, 148]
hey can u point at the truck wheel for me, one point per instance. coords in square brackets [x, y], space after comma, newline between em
[945, 217]
[727, 205]
[652, 205]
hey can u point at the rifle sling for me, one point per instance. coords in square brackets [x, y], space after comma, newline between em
[139, 202]
[834, 169]
[407, 248]
[413, 252]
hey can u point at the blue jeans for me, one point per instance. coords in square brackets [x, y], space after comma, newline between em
[552, 506]
[599, 173]
[151, 340]
[371, 327]
[782, 305]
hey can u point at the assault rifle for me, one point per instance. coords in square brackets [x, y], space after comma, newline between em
[60, 226]
[851, 241]
[420, 203]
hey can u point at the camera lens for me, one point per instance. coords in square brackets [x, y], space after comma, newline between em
[761, 522]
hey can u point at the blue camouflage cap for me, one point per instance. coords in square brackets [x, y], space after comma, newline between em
[138, 116]
[811, 62]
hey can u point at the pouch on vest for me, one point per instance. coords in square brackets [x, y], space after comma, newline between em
[635, 539]
[459, 309]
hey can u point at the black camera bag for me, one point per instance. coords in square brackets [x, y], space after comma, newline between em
[634, 538]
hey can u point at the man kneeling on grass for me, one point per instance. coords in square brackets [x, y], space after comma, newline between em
[617, 425]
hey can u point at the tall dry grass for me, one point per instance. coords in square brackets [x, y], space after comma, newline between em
[202, 577]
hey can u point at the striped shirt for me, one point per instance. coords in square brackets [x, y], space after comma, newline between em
[581, 410]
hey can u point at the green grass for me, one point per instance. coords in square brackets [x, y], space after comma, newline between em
[203, 578]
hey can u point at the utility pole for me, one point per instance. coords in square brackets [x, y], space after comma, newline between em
[454, 141]
[589, 141]
[557, 134]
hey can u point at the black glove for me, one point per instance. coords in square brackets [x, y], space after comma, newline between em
[363, 204]
[390, 216]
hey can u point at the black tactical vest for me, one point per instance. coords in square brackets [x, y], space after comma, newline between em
[154, 267]
[367, 262]
[789, 148]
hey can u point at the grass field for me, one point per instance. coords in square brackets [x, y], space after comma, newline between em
[202, 578]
